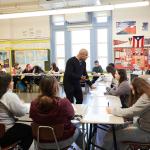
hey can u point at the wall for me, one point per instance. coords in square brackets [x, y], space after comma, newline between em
[24, 34]
[140, 15]
[25, 28]
[128, 57]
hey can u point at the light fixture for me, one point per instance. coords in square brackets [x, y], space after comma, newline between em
[135, 4]
[73, 10]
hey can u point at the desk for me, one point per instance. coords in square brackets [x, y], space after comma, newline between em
[113, 101]
[99, 115]
[90, 115]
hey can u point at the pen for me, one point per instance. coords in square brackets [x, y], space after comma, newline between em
[108, 104]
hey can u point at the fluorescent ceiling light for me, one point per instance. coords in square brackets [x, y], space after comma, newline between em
[73, 10]
[57, 12]
[135, 4]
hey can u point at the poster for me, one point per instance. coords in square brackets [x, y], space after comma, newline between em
[145, 26]
[4, 58]
[34, 57]
[127, 27]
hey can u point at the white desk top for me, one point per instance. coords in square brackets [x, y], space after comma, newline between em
[113, 101]
[80, 109]
[99, 115]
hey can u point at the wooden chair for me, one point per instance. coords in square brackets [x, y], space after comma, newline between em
[47, 134]
[137, 145]
[2, 132]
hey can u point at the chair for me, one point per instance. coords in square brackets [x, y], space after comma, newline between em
[47, 134]
[137, 145]
[2, 132]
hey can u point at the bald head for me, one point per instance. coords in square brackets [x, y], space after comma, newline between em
[83, 54]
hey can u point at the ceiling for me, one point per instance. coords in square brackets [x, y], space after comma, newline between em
[12, 6]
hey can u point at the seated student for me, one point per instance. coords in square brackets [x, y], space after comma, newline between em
[110, 69]
[54, 68]
[48, 108]
[11, 106]
[96, 71]
[139, 131]
[27, 79]
[16, 71]
[123, 90]
[38, 70]
[2, 69]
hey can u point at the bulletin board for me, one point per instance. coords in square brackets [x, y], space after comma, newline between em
[5, 58]
[34, 57]
[128, 57]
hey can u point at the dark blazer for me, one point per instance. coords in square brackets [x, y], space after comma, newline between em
[73, 72]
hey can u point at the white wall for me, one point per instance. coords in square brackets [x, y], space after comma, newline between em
[25, 28]
[140, 15]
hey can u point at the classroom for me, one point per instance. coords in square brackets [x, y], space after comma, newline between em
[75, 74]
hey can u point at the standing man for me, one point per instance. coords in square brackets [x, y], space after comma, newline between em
[75, 72]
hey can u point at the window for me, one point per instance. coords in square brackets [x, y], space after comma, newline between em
[60, 50]
[81, 39]
[58, 20]
[102, 47]
[94, 35]
[101, 19]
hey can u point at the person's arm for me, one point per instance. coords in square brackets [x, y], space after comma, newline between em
[15, 105]
[68, 109]
[137, 109]
[122, 89]
[86, 75]
[70, 72]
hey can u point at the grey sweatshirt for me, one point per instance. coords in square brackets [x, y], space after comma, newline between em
[141, 109]
[122, 89]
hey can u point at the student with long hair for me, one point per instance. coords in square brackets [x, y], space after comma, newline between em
[111, 69]
[123, 90]
[11, 106]
[54, 68]
[49, 108]
[139, 107]
[123, 84]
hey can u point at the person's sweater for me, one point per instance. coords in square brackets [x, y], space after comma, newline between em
[11, 106]
[140, 109]
[63, 112]
[122, 89]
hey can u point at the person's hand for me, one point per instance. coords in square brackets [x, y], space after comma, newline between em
[109, 110]
[93, 87]
[108, 89]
